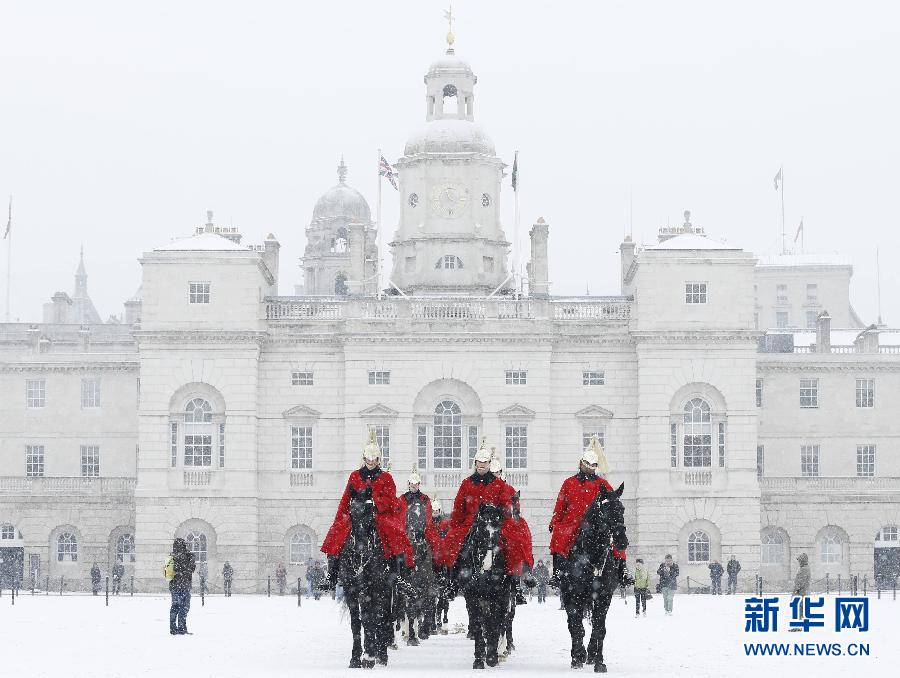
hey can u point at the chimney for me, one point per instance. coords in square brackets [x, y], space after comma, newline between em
[626, 253]
[357, 257]
[57, 311]
[270, 256]
[540, 269]
[867, 340]
[823, 333]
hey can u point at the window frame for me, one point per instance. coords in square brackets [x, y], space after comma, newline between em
[699, 540]
[122, 548]
[865, 460]
[809, 460]
[302, 378]
[66, 547]
[516, 377]
[515, 446]
[865, 392]
[201, 553]
[766, 549]
[379, 377]
[830, 543]
[90, 397]
[90, 461]
[298, 540]
[759, 392]
[696, 293]
[35, 456]
[383, 439]
[444, 430]
[199, 291]
[302, 456]
[809, 391]
[593, 378]
[35, 394]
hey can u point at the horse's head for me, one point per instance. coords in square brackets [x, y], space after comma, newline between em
[604, 521]
[362, 511]
[482, 545]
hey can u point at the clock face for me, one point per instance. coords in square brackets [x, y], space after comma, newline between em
[449, 200]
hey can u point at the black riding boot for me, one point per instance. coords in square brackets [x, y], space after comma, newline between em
[329, 582]
[558, 567]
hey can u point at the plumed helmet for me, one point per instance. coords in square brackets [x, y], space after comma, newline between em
[371, 451]
[496, 467]
[436, 506]
[483, 454]
[594, 454]
[414, 478]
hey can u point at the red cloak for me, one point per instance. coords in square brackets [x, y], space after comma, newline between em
[575, 495]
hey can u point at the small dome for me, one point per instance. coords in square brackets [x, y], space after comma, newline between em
[343, 201]
[450, 136]
[449, 64]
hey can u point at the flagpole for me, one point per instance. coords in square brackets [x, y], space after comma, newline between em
[8, 257]
[378, 229]
[878, 284]
[517, 280]
[783, 246]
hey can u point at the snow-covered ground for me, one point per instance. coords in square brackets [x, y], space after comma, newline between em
[251, 636]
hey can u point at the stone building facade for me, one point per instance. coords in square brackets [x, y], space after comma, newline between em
[229, 415]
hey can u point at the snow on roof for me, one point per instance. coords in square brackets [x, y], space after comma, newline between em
[842, 336]
[203, 242]
[832, 259]
[691, 241]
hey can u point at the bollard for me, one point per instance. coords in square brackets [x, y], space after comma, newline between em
[107, 591]
[32, 586]
[839, 583]
[47, 587]
[132, 586]
[760, 586]
[12, 593]
[60, 584]
[299, 597]
[866, 585]
[269, 587]
[202, 596]
[827, 584]
[878, 585]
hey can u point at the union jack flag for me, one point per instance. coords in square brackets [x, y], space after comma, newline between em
[385, 170]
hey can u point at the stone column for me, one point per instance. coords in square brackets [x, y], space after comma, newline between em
[823, 333]
[540, 269]
[357, 257]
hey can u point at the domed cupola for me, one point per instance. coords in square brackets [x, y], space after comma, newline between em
[326, 259]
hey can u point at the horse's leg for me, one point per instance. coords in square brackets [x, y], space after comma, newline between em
[383, 626]
[470, 605]
[476, 627]
[510, 645]
[601, 607]
[493, 624]
[575, 619]
[352, 600]
[369, 622]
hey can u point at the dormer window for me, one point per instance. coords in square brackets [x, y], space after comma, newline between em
[449, 261]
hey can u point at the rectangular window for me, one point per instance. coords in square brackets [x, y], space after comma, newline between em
[809, 393]
[90, 393]
[586, 435]
[90, 461]
[410, 265]
[34, 460]
[301, 378]
[865, 461]
[198, 292]
[673, 444]
[383, 438]
[721, 445]
[488, 264]
[422, 445]
[781, 319]
[811, 317]
[760, 461]
[473, 445]
[781, 294]
[695, 293]
[379, 377]
[198, 449]
[865, 393]
[301, 447]
[812, 293]
[173, 427]
[516, 377]
[221, 445]
[516, 446]
[592, 378]
[759, 392]
[35, 393]
[809, 461]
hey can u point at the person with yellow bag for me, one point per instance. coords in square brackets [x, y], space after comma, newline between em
[179, 571]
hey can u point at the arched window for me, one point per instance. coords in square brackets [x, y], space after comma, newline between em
[450, 99]
[698, 547]
[447, 447]
[301, 548]
[7, 531]
[831, 549]
[449, 262]
[125, 548]
[772, 551]
[66, 547]
[198, 433]
[196, 543]
[340, 285]
[697, 433]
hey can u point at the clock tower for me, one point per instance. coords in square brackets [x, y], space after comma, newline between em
[450, 239]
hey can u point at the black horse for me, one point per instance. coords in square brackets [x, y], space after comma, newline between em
[591, 575]
[365, 576]
[481, 576]
[416, 600]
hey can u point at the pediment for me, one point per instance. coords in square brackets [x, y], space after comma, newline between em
[378, 411]
[300, 411]
[516, 412]
[594, 412]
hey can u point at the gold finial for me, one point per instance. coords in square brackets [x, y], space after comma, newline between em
[448, 15]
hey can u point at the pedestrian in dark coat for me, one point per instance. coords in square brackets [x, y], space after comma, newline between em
[95, 578]
[227, 577]
[180, 587]
[732, 568]
[281, 578]
[542, 574]
[715, 576]
[118, 572]
[801, 584]
[668, 581]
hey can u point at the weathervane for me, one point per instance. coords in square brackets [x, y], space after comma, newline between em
[448, 15]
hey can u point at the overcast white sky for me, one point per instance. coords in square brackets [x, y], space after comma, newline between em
[122, 122]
